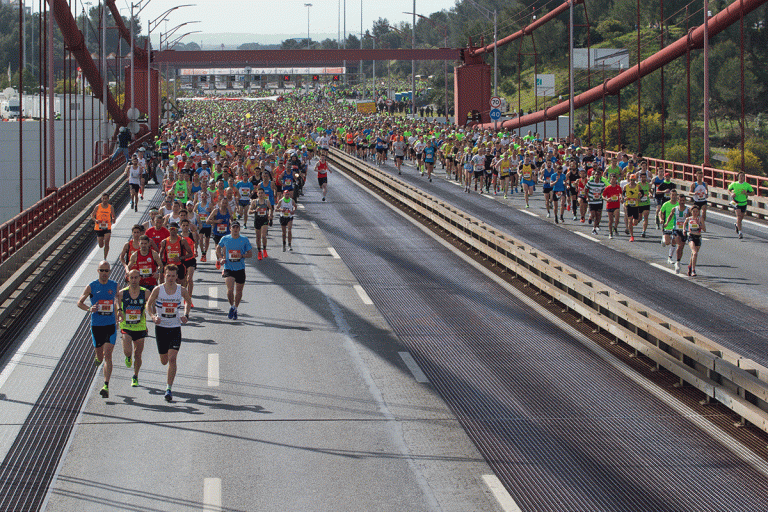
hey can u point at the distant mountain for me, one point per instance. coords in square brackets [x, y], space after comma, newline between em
[232, 41]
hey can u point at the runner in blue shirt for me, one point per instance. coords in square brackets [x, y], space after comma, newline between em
[429, 158]
[244, 190]
[102, 293]
[230, 252]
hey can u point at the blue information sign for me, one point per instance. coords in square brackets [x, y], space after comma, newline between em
[495, 114]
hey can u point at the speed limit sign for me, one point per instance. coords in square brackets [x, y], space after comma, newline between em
[495, 102]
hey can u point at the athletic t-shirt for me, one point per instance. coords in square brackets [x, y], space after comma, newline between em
[740, 191]
[668, 215]
[234, 250]
[103, 297]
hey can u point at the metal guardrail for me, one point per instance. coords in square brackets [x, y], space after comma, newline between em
[721, 374]
[20, 230]
[717, 180]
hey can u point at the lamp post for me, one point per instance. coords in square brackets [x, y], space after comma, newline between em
[169, 46]
[164, 37]
[307, 6]
[491, 16]
[413, 64]
[152, 25]
[445, 62]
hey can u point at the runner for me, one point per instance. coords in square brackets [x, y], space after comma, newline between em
[429, 158]
[202, 209]
[398, 148]
[287, 209]
[557, 181]
[219, 219]
[700, 194]
[131, 303]
[740, 191]
[666, 218]
[693, 228]
[528, 177]
[631, 201]
[158, 233]
[594, 189]
[322, 170]
[261, 208]
[102, 293]
[612, 195]
[130, 247]
[175, 250]
[164, 303]
[133, 172]
[103, 217]
[230, 251]
[147, 261]
[644, 203]
[244, 189]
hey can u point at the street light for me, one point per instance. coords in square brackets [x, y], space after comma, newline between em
[445, 62]
[491, 16]
[307, 6]
[165, 37]
[152, 25]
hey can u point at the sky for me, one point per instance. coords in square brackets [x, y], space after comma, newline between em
[269, 19]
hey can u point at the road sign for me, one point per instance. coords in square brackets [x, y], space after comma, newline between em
[389, 103]
[495, 102]
[495, 114]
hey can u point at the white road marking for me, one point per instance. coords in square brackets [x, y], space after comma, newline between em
[300, 206]
[413, 366]
[664, 268]
[586, 236]
[14, 362]
[527, 212]
[363, 296]
[213, 297]
[213, 370]
[313, 224]
[500, 493]
[334, 253]
[212, 495]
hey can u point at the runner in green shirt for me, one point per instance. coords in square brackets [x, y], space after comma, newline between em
[666, 218]
[740, 192]
[132, 302]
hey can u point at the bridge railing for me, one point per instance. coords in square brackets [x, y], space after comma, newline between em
[22, 228]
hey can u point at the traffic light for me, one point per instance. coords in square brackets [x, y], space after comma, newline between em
[315, 78]
[335, 78]
[286, 78]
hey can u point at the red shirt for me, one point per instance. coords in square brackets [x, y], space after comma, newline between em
[612, 195]
[158, 235]
[321, 168]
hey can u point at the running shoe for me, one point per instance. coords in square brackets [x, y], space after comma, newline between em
[689, 271]
[642, 234]
[96, 361]
[430, 180]
[693, 273]
[203, 259]
[582, 220]
[527, 206]
[168, 395]
[631, 239]
[264, 252]
[740, 235]
[283, 247]
[218, 265]
[142, 197]
[323, 199]
[669, 260]
[662, 241]
[258, 256]
[104, 391]
[562, 219]
[128, 362]
[134, 381]
[626, 231]
[290, 248]
[610, 235]
[549, 215]
[231, 313]
[234, 314]
[505, 196]
[736, 228]
[131, 205]
[556, 221]
[594, 231]
[677, 267]
[574, 217]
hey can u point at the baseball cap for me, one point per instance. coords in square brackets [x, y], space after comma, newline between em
[174, 225]
[235, 223]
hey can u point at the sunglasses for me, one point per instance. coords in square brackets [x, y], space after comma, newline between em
[103, 270]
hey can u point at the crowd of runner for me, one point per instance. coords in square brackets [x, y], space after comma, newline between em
[228, 167]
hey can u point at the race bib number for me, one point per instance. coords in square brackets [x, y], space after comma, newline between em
[173, 256]
[221, 228]
[286, 213]
[558, 195]
[103, 226]
[261, 212]
[105, 307]
[180, 193]
[596, 194]
[527, 176]
[667, 193]
[168, 310]
[643, 198]
[234, 255]
[202, 218]
[631, 202]
[245, 193]
[145, 271]
[694, 226]
[613, 199]
[680, 223]
[132, 316]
